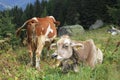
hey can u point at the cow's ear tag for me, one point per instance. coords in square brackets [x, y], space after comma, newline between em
[78, 45]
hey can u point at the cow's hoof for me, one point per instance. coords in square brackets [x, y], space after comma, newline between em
[76, 69]
[64, 71]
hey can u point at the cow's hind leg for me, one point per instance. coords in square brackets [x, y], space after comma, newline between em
[40, 44]
[37, 65]
[31, 58]
[31, 55]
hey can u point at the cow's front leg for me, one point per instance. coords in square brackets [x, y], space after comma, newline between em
[75, 68]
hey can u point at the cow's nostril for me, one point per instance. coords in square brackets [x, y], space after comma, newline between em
[53, 56]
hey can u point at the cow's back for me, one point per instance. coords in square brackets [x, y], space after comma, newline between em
[83, 53]
[46, 27]
[88, 53]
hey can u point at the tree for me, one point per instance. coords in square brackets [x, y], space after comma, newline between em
[16, 13]
[28, 12]
[44, 8]
[114, 12]
[37, 8]
[44, 12]
[58, 8]
[72, 16]
[6, 25]
[50, 7]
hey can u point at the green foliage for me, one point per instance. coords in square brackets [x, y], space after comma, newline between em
[114, 12]
[69, 12]
[28, 12]
[37, 9]
[16, 13]
[6, 25]
[13, 66]
[7, 32]
[44, 12]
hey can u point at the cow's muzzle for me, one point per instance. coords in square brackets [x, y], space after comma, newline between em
[54, 56]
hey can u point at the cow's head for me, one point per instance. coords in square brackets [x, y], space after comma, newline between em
[64, 48]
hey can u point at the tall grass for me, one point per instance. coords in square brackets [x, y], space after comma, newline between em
[13, 65]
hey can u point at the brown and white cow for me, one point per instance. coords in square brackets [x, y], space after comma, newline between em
[71, 53]
[39, 32]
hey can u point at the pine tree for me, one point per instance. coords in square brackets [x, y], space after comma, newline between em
[6, 25]
[114, 12]
[44, 12]
[19, 16]
[16, 13]
[37, 9]
[28, 12]
[44, 8]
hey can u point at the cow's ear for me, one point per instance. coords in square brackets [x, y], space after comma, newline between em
[57, 23]
[77, 45]
[53, 46]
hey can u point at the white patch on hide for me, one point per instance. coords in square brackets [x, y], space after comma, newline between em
[66, 41]
[48, 30]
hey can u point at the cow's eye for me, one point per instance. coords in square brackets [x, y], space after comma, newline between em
[65, 46]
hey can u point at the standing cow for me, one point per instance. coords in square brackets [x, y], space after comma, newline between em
[39, 32]
[71, 53]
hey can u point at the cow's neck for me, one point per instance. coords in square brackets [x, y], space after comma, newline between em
[74, 56]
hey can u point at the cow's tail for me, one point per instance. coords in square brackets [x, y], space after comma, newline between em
[20, 28]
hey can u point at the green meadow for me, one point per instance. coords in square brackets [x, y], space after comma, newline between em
[13, 64]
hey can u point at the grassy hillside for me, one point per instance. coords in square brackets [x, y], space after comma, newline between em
[13, 64]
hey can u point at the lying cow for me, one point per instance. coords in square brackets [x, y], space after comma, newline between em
[39, 32]
[71, 53]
